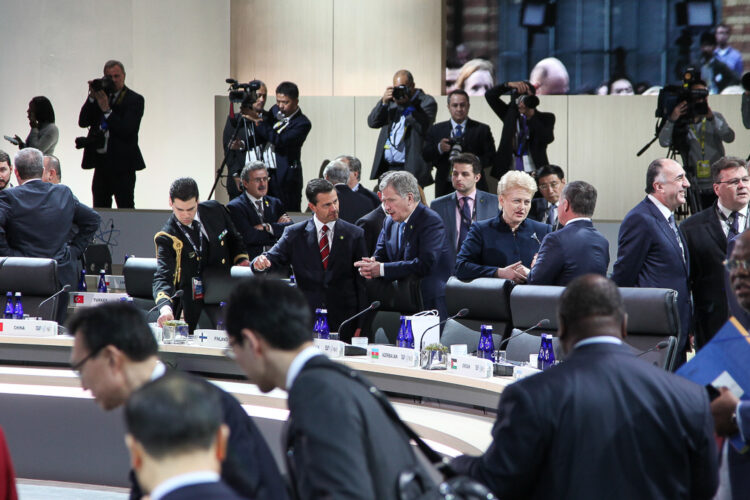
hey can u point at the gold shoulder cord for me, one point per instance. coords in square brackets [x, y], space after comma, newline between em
[177, 246]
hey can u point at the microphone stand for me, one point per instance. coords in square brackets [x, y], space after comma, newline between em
[372, 307]
[460, 314]
[541, 323]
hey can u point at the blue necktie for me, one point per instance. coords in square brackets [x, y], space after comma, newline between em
[677, 235]
[401, 227]
[457, 132]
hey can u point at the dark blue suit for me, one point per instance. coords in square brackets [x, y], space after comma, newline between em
[245, 218]
[491, 244]
[649, 256]
[36, 220]
[445, 206]
[353, 206]
[603, 424]
[339, 288]
[574, 250]
[286, 180]
[424, 254]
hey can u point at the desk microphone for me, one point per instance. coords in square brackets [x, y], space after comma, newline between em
[176, 295]
[658, 347]
[544, 322]
[460, 314]
[62, 290]
[375, 305]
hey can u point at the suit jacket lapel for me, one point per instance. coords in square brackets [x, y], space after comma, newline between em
[668, 232]
[713, 227]
[311, 236]
[451, 217]
[338, 235]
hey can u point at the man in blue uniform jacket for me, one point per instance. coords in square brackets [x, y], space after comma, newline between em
[577, 248]
[412, 243]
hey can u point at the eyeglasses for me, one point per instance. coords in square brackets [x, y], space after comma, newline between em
[78, 367]
[735, 182]
[735, 264]
[551, 185]
[259, 179]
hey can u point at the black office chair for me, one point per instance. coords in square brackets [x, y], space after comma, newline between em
[139, 280]
[218, 284]
[653, 323]
[455, 332]
[396, 298]
[529, 305]
[36, 279]
[488, 301]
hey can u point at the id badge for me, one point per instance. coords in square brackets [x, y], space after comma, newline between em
[197, 289]
[703, 169]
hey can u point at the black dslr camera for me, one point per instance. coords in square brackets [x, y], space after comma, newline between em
[531, 101]
[400, 92]
[244, 93]
[672, 95]
[104, 83]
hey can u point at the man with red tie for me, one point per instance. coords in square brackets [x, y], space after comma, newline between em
[322, 252]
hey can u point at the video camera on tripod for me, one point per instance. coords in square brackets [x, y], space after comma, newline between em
[243, 93]
[672, 95]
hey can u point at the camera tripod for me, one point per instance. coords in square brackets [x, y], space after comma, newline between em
[249, 128]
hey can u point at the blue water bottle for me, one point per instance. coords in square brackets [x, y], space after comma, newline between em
[324, 330]
[82, 282]
[102, 286]
[401, 332]
[220, 319]
[409, 335]
[316, 325]
[292, 281]
[542, 348]
[550, 358]
[8, 306]
[18, 307]
[486, 346]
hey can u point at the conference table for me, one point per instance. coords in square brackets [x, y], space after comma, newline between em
[56, 431]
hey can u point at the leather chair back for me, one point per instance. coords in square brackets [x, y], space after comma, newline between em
[36, 279]
[488, 301]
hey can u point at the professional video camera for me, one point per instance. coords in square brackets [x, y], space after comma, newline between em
[104, 83]
[672, 95]
[243, 93]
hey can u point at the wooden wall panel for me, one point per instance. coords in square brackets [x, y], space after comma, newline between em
[278, 40]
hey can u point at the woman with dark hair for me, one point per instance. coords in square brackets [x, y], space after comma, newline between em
[43, 135]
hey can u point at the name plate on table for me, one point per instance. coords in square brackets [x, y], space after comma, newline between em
[28, 328]
[391, 355]
[88, 299]
[331, 348]
[211, 338]
[115, 281]
[471, 366]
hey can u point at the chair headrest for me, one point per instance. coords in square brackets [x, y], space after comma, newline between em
[530, 304]
[486, 298]
[29, 275]
[139, 276]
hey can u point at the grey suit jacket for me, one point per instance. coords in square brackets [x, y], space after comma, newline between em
[445, 206]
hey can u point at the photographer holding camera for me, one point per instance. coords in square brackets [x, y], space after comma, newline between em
[698, 134]
[243, 146]
[446, 140]
[403, 115]
[113, 114]
[526, 131]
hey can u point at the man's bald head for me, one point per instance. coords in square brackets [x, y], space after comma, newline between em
[51, 171]
[550, 77]
[590, 306]
[739, 274]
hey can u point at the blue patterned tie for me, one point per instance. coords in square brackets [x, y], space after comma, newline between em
[465, 221]
[677, 235]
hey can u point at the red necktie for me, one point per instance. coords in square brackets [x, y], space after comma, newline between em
[324, 250]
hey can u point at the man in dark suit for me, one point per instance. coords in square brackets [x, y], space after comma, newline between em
[114, 353]
[355, 176]
[706, 234]
[195, 237]
[322, 251]
[413, 242]
[352, 206]
[340, 443]
[651, 251]
[551, 181]
[179, 461]
[577, 248]
[113, 114]
[37, 218]
[467, 204]
[504, 247]
[460, 132]
[732, 416]
[526, 131]
[286, 130]
[603, 424]
[403, 116]
[260, 219]
[246, 146]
